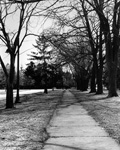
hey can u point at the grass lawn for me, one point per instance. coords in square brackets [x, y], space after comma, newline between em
[24, 128]
[104, 110]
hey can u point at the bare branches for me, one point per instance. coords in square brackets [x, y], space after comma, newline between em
[25, 1]
[4, 68]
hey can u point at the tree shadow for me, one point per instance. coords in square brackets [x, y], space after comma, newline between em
[80, 99]
[87, 97]
[65, 146]
[31, 103]
[91, 99]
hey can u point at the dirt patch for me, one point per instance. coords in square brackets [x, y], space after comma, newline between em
[104, 110]
[24, 128]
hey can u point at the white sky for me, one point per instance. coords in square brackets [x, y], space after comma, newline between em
[36, 26]
[27, 46]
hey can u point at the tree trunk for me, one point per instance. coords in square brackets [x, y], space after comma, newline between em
[99, 81]
[100, 67]
[111, 49]
[9, 95]
[78, 85]
[77, 80]
[10, 80]
[111, 57]
[93, 82]
[45, 89]
[112, 87]
[18, 82]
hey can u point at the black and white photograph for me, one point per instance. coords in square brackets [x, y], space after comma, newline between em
[59, 74]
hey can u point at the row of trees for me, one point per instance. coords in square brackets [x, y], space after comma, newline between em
[94, 25]
[12, 37]
[45, 73]
[34, 77]
[86, 38]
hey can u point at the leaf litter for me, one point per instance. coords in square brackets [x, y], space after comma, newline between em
[24, 128]
[106, 111]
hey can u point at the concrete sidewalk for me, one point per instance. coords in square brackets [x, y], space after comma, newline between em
[71, 128]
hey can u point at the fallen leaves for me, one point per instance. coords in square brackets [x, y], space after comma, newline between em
[23, 128]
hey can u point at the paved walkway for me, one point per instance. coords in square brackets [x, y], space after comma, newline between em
[71, 128]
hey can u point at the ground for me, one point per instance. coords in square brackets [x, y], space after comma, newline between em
[106, 111]
[24, 128]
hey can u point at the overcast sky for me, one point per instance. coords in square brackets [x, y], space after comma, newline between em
[37, 25]
[27, 46]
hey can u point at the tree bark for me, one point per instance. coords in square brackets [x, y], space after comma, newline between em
[93, 82]
[111, 54]
[45, 89]
[77, 82]
[17, 100]
[10, 80]
[112, 80]
[111, 57]
[100, 67]
[99, 81]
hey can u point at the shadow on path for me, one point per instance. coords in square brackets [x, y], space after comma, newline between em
[87, 97]
[64, 146]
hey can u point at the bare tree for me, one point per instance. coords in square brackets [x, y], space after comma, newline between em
[109, 16]
[79, 19]
[74, 51]
[13, 38]
[107, 13]
[93, 27]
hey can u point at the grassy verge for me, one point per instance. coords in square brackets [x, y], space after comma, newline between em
[104, 110]
[24, 128]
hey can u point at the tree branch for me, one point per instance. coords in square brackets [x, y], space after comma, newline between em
[4, 68]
